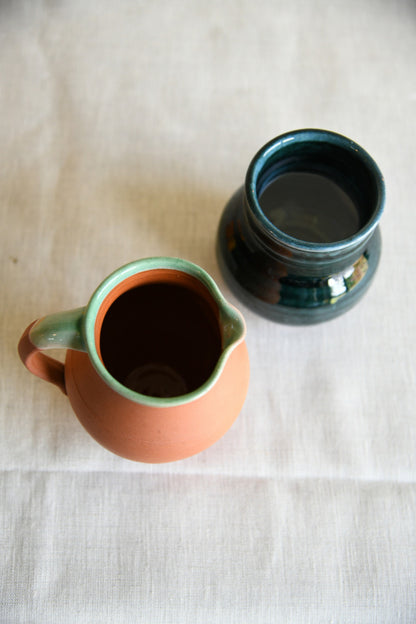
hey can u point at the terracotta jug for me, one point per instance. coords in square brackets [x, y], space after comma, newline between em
[156, 368]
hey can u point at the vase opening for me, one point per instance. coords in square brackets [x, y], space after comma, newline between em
[318, 192]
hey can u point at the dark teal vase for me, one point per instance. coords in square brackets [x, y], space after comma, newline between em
[310, 278]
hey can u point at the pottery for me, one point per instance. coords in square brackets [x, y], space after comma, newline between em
[299, 243]
[156, 368]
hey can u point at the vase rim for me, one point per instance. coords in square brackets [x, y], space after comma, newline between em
[312, 135]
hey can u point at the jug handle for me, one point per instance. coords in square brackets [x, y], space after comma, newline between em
[55, 331]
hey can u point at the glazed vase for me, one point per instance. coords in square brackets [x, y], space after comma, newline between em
[308, 277]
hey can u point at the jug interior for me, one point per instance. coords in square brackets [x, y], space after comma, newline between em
[161, 339]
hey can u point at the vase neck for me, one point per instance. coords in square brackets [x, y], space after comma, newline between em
[304, 257]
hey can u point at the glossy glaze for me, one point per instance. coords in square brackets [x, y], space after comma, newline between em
[292, 280]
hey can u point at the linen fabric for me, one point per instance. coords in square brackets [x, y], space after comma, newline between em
[124, 129]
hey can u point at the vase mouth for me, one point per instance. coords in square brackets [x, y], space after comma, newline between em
[174, 273]
[333, 156]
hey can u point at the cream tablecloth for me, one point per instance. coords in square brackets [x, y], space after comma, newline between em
[124, 128]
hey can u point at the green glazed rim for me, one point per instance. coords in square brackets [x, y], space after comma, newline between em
[232, 322]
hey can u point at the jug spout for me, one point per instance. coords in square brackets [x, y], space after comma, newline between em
[233, 328]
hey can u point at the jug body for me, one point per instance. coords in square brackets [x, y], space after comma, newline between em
[157, 367]
[156, 433]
